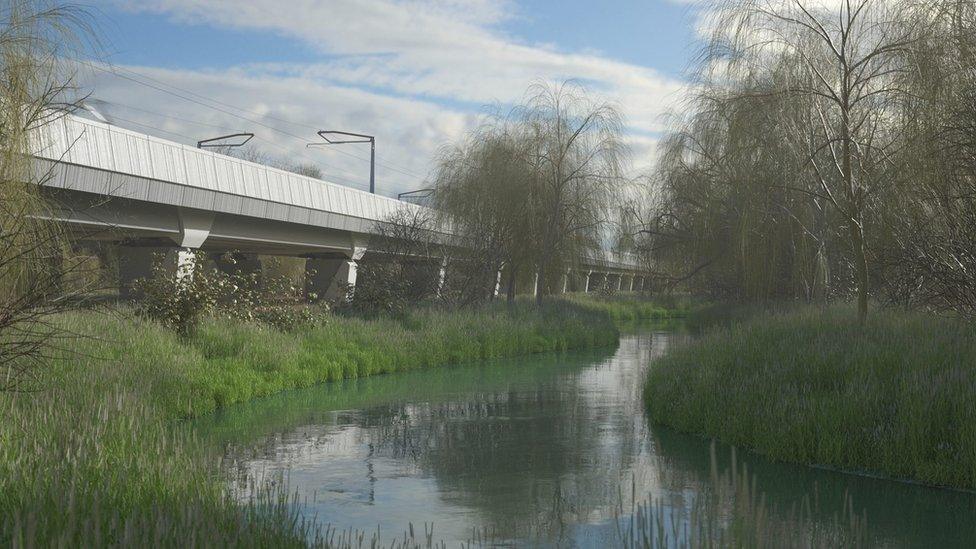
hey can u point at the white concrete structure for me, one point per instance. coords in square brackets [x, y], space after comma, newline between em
[166, 194]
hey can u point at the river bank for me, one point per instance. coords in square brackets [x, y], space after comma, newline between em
[893, 397]
[95, 455]
[636, 307]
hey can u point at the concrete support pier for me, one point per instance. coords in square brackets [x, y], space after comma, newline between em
[330, 278]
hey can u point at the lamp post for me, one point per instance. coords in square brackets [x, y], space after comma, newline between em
[362, 139]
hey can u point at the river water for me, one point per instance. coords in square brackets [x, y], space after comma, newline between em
[546, 450]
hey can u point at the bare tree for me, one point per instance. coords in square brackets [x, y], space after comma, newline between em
[403, 265]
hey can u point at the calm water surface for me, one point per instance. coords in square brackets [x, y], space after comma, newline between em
[540, 450]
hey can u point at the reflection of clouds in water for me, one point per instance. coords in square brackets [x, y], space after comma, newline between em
[527, 457]
[543, 449]
[334, 471]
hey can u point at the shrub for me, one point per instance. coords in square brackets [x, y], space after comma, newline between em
[180, 299]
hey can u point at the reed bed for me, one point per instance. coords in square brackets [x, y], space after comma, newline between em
[94, 454]
[892, 397]
[631, 306]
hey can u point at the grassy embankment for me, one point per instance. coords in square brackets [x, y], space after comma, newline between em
[95, 456]
[632, 306]
[894, 397]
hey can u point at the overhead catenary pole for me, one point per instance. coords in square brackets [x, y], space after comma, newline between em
[372, 165]
[365, 139]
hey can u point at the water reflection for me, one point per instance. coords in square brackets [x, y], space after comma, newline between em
[542, 450]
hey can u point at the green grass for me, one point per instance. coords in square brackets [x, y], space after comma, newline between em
[894, 397]
[630, 306]
[97, 456]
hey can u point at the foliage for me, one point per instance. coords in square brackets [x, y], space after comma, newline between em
[633, 307]
[402, 268]
[182, 291]
[33, 38]
[530, 191]
[827, 154]
[893, 396]
[90, 462]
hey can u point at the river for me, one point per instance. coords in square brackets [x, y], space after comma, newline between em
[546, 450]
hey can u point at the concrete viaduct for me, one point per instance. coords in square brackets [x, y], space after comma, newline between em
[148, 194]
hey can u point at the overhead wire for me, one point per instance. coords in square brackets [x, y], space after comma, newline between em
[220, 106]
[346, 175]
[350, 182]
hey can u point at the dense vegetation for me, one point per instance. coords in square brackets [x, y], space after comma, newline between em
[828, 153]
[631, 307]
[893, 396]
[96, 456]
[531, 191]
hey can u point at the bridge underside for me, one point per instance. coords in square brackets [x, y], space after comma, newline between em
[138, 231]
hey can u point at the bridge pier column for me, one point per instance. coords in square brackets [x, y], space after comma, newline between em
[600, 283]
[331, 278]
[631, 287]
[136, 262]
[441, 275]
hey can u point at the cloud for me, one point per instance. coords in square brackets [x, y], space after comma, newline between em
[414, 73]
[284, 113]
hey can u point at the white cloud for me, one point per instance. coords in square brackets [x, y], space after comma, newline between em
[414, 73]
[408, 131]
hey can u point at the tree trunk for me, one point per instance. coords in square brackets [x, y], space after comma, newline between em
[511, 284]
[856, 205]
[540, 284]
[861, 269]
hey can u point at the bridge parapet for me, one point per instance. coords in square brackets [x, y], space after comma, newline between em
[148, 168]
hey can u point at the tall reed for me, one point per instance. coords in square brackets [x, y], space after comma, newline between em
[893, 397]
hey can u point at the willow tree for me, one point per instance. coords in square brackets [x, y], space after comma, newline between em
[850, 58]
[532, 189]
[34, 36]
[575, 154]
[929, 259]
[482, 183]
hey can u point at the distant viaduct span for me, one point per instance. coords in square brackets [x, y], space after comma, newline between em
[148, 194]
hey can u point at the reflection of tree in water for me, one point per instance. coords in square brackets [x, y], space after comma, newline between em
[898, 514]
[532, 460]
[538, 445]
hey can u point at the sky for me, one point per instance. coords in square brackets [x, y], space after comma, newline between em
[416, 74]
